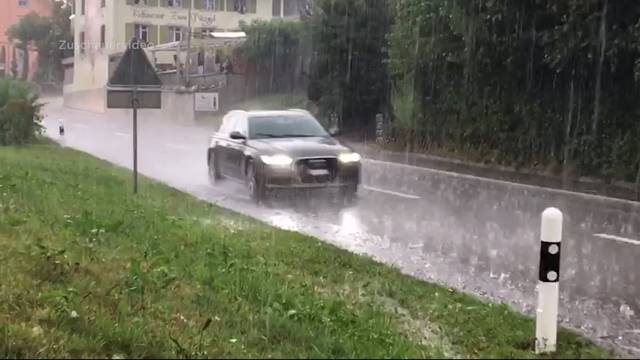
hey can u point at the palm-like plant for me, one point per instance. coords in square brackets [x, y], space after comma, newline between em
[20, 115]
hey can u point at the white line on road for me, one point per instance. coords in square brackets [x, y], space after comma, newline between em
[618, 238]
[406, 196]
[504, 182]
[122, 134]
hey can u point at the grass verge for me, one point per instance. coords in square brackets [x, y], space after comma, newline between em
[88, 270]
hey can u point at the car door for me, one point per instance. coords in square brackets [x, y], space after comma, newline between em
[224, 144]
[236, 150]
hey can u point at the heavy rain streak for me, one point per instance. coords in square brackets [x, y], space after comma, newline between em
[428, 135]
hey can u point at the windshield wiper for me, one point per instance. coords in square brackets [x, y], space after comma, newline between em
[267, 135]
[285, 135]
[299, 135]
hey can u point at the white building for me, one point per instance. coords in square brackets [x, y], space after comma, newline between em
[103, 28]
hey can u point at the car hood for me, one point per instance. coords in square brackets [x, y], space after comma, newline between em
[300, 147]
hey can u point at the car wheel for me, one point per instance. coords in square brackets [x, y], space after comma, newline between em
[255, 185]
[214, 171]
[349, 193]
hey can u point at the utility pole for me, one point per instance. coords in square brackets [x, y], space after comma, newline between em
[187, 65]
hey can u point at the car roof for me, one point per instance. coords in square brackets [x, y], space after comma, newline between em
[272, 112]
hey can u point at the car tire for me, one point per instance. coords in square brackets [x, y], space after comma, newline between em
[348, 194]
[255, 185]
[214, 171]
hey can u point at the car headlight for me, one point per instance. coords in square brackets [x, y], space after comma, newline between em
[276, 160]
[349, 157]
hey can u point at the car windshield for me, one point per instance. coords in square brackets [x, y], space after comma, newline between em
[284, 126]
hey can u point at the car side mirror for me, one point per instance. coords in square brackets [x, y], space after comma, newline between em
[236, 135]
[334, 131]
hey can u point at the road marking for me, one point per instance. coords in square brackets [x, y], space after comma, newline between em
[618, 238]
[504, 182]
[179, 147]
[406, 196]
[122, 134]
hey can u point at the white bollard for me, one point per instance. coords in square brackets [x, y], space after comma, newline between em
[60, 127]
[548, 278]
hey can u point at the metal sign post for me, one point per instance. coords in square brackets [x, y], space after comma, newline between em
[134, 105]
[134, 85]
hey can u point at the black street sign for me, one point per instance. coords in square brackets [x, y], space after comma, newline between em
[135, 69]
[134, 85]
[123, 99]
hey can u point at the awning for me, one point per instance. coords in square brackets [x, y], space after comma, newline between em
[166, 46]
[228, 35]
[212, 39]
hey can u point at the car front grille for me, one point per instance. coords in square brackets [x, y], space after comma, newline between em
[317, 170]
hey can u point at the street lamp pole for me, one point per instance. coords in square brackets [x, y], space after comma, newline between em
[188, 62]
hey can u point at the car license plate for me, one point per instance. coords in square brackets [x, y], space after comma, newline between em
[319, 172]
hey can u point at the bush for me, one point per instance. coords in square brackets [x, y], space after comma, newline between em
[19, 113]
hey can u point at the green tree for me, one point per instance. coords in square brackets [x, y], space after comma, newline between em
[29, 31]
[275, 51]
[49, 35]
[349, 71]
[521, 82]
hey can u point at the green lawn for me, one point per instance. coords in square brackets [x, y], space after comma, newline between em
[88, 270]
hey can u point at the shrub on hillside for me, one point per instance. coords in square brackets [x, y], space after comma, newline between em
[19, 112]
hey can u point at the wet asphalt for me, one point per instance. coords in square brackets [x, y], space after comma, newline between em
[470, 233]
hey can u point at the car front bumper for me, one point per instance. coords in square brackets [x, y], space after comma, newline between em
[293, 177]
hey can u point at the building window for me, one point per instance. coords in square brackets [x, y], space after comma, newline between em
[291, 8]
[82, 45]
[68, 74]
[103, 3]
[251, 6]
[23, 3]
[103, 30]
[141, 2]
[174, 3]
[3, 59]
[141, 32]
[82, 7]
[176, 33]
[210, 5]
[242, 6]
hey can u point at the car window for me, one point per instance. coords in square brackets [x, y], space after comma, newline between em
[283, 126]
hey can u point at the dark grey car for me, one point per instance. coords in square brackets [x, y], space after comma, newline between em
[281, 150]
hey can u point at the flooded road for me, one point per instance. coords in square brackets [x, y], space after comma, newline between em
[474, 234]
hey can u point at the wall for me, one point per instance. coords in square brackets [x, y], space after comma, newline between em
[90, 65]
